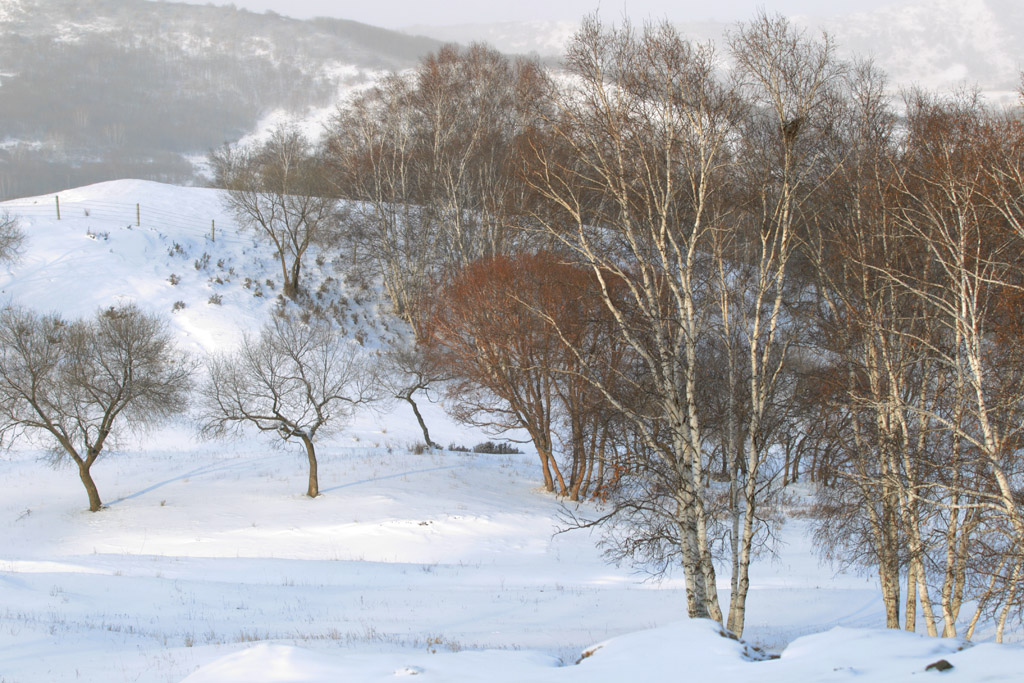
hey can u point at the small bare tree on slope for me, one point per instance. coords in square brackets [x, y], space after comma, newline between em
[296, 379]
[11, 237]
[278, 191]
[79, 384]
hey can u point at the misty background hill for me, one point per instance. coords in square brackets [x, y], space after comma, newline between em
[936, 44]
[92, 91]
[106, 89]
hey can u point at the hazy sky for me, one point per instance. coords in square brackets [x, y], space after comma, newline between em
[399, 13]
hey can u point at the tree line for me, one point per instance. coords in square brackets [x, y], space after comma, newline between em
[690, 286]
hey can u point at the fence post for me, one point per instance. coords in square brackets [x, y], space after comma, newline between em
[136, 215]
[213, 230]
[57, 197]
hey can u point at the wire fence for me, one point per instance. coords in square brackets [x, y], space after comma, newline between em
[131, 215]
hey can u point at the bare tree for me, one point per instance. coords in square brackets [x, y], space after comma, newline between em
[79, 384]
[408, 371]
[278, 190]
[920, 283]
[373, 150]
[11, 237]
[296, 379]
[857, 320]
[502, 355]
[431, 156]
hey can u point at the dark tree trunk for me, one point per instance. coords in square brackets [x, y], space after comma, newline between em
[314, 485]
[419, 418]
[95, 504]
[289, 290]
[579, 461]
[291, 285]
[545, 466]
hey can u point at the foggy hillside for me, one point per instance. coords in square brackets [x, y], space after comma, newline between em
[106, 89]
[129, 88]
[937, 44]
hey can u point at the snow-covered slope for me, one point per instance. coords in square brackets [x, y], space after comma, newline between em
[96, 255]
[173, 250]
[210, 565]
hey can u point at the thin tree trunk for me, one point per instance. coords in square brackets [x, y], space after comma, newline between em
[734, 547]
[419, 419]
[890, 594]
[924, 599]
[1008, 603]
[292, 285]
[984, 599]
[596, 453]
[889, 517]
[314, 485]
[692, 473]
[888, 559]
[733, 454]
[916, 565]
[545, 466]
[579, 463]
[289, 291]
[962, 556]
[949, 580]
[738, 602]
[910, 618]
[563, 490]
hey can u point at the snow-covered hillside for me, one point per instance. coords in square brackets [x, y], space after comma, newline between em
[138, 88]
[210, 565]
[173, 250]
[96, 255]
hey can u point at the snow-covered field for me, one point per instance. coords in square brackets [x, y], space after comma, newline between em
[210, 565]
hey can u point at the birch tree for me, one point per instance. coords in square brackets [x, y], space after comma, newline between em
[920, 296]
[630, 174]
[791, 84]
[973, 264]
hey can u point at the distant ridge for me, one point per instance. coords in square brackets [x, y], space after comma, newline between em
[937, 44]
[104, 89]
[91, 91]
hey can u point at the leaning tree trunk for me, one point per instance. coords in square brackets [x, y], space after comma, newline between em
[95, 504]
[419, 418]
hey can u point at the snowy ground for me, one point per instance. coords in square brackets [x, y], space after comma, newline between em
[209, 565]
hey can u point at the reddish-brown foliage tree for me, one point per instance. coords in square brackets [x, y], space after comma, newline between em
[523, 333]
